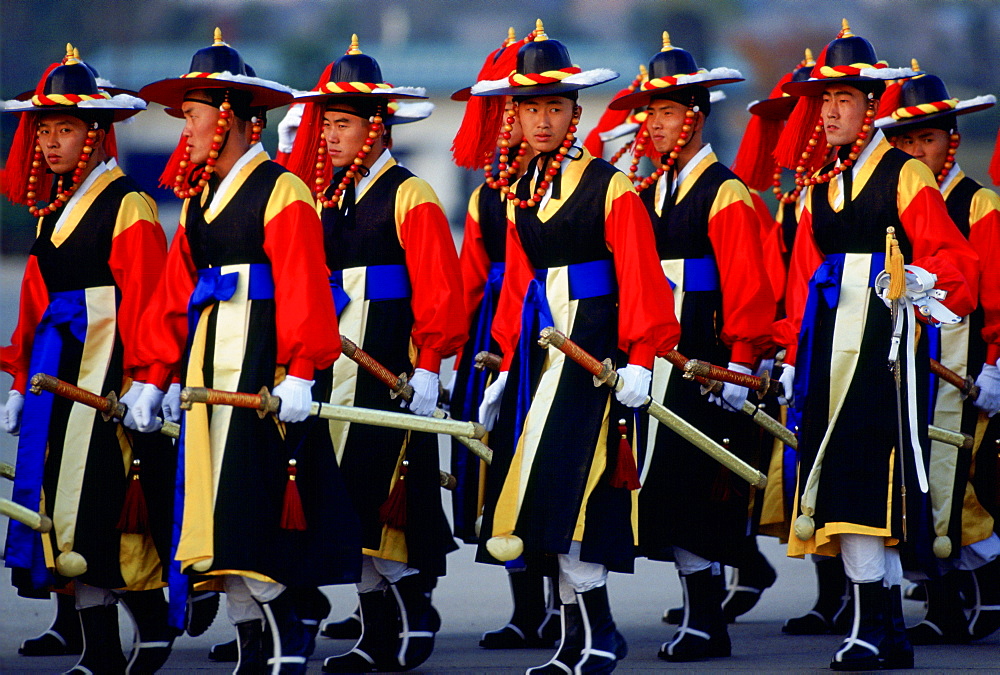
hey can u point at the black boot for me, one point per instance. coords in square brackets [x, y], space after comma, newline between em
[418, 620]
[312, 606]
[675, 615]
[899, 649]
[866, 646]
[250, 648]
[525, 628]
[201, 610]
[945, 622]
[153, 635]
[64, 636]
[102, 648]
[229, 652]
[746, 585]
[345, 629]
[289, 638]
[377, 645]
[568, 654]
[985, 617]
[703, 632]
[603, 645]
[832, 602]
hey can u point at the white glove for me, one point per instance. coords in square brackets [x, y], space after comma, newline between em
[635, 385]
[12, 412]
[172, 403]
[765, 364]
[732, 396]
[287, 127]
[128, 400]
[489, 409]
[989, 390]
[425, 392]
[296, 398]
[787, 381]
[144, 410]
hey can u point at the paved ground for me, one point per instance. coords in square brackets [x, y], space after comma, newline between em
[473, 598]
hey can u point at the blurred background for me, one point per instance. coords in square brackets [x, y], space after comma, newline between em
[441, 44]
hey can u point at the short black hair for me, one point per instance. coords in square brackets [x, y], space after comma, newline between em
[239, 101]
[947, 123]
[571, 95]
[365, 106]
[689, 96]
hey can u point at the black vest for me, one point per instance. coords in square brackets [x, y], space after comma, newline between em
[959, 203]
[493, 223]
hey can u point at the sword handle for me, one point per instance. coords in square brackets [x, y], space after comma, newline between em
[488, 360]
[603, 372]
[262, 402]
[397, 384]
[109, 407]
[763, 385]
[964, 384]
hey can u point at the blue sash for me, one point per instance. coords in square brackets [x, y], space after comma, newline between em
[933, 336]
[213, 286]
[700, 274]
[825, 284]
[586, 280]
[382, 282]
[64, 319]
[480, 339]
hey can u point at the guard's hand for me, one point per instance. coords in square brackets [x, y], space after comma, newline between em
[144, 410]
[489, 409]
[765, 365]
[787, 381]
[425, 392]
[287, 127]
[12, 412]
[732, 395]
[172, 403]
[635, 385]
[128, 400]
[989, 390]
[296, 398]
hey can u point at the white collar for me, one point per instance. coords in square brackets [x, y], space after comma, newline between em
[373, 170]
[661, 185]
[865, 155]
[950, 178]
[562, 167]
[78, 194]
[251, 152]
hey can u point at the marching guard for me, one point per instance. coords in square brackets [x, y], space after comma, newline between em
[861, 475]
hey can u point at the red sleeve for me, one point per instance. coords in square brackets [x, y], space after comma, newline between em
[518, 273]
[163, 331]
[806, 257]
[473, 260]
[305, 319]
[984, 235]
[938, 245]
[439, 323]
[138, 254]
[772, 245]
[747, 299]
[647, 326]
[282, 158]
[16, 358]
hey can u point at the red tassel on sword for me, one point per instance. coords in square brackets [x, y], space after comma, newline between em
[292, 516]
[135, 515]
[393, 511]
[626, 474]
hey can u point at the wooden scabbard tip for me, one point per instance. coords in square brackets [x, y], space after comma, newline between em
[942, 547]
[505, 547]
[804, 528]
[45, 524]
[70, 563]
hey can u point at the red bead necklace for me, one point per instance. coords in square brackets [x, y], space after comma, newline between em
[682, 140]
[225, 114]
[374, 131]
[505, 172]
[550, 172]
[62, 196]
[801, 180]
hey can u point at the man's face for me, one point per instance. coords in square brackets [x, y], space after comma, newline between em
[200, 120]
[930, 146]
[345, 134]
[61, 138]
[843, 113]
[664, 121]
[545, 121]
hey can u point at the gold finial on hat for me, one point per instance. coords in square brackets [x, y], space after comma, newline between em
[809, 60]
[845, 29]
[540, 31]
[666, 42]
[914, 65]
[511, 37]
[643, 73]
[71, 57]
[354, 48]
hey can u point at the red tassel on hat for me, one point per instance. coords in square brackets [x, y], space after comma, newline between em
[292, 517]
[393, 511]
[135, 515]
[798, 130]
[173, 165]
[111, 143]
[889, 102]
[626, 475]
[995, 170]
[609, 120]
[754, 163]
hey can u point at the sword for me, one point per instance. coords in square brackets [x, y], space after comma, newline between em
[398, 386]
[36, 521]
[109, 406]
[966, 385]
[6, 471]
[489, 360]
[264, 403]
[604, 373]
[896, 290]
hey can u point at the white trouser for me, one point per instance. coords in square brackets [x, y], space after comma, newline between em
[576, 576]
[243, 595]
[689, 563]
[867, 558]
[377, 573]
[93, 596]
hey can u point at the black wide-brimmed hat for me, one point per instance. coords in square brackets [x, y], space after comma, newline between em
[924, 98]
[672, 69]
[72, 85]
[356, 74]
[847, 59]
[543, 68]
[218, 67]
